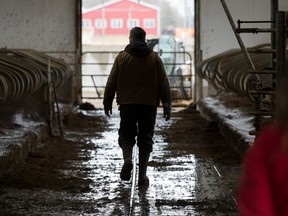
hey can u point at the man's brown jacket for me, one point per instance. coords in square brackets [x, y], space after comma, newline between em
[137, 78]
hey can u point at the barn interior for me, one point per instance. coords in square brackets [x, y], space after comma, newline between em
[59, 153]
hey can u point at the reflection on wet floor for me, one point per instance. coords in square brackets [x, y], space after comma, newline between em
[173, 177]
[191, 171]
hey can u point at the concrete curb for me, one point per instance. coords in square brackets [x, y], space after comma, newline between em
[15, 148]
[16, 153]
[240, 141]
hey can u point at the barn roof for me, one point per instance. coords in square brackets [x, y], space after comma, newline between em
[108, 3]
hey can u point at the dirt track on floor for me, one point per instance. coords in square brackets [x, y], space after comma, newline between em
[79, 174]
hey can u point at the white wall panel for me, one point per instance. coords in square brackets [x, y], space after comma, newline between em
[283, 5]
[38, 24]
[216, 32]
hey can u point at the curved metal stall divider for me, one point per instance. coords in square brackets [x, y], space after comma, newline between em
[23, 72]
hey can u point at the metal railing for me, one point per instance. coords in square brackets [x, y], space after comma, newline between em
[96, 66]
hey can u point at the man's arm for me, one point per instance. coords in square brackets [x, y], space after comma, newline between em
[164, 89]
[111, 87]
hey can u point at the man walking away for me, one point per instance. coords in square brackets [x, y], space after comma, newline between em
[139, 79]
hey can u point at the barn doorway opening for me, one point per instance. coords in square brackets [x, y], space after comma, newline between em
[170, 32]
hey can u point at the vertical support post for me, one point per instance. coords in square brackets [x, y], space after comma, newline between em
[55, 100]
[274, 5]
[50, 99]
[281, 45]
[198, 85]
[274, 9]
[77, 76]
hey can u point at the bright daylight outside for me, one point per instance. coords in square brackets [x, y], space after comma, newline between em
[169, 25]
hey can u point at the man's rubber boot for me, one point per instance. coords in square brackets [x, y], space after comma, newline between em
[143, 180]
[127, 166]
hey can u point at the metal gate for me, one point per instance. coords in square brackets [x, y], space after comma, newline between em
[96, 68]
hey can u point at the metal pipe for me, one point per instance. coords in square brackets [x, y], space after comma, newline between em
[262, 71]
[198, 90]
[281, 45]
[239, 39]
[49, 95]
[133, 186]
[263, 51]
[95, 86]
[255, 30]
[274, 4]
[59, 122]
[268, 21]
[274, 7]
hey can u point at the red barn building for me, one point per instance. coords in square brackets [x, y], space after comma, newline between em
[117, 17]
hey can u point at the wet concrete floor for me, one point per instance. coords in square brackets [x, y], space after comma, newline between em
[192, 171]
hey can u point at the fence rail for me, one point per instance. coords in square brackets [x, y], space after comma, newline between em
[96, 66]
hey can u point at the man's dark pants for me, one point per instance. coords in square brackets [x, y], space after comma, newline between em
[137, 121]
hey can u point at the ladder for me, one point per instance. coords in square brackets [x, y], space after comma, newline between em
[278, 31]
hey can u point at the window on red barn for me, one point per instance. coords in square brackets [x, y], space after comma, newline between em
[149, 23]
[100, 23]
[131, 23]
[116, 23]
[86, 23]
